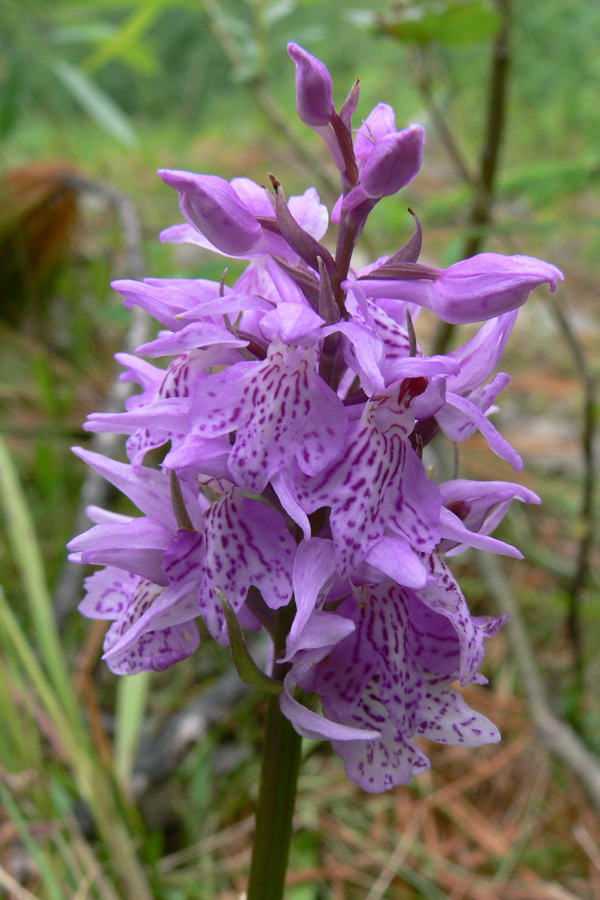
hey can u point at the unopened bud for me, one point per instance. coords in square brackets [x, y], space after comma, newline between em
[211, 205]
[314, 88]
[394, 161]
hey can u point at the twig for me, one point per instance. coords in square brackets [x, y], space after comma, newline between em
[557, 736]
[422, 74]
[481, 213]
[12, 885]
[398, 857]
[309, 161]
[483, 204]
[95, 489]
[588, 489]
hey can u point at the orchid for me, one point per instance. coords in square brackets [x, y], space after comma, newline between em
[294, 407]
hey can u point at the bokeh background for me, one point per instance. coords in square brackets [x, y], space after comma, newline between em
[144, 787]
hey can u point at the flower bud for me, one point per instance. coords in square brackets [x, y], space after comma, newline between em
[394, 161]
[211, 205]
[314, 88]
[380, 123]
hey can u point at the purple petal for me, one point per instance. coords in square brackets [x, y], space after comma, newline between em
[380, 122]
[376, 653]
[381, 764]
[178, 603]
[394, 161]
[145, 374]
[167, 298]
[475, 416]
[136, 546]
[310, 214]
[488, 285]
[448, 720]
[314, 88]
[155, 650]
[108, 593]
[379, 484]
[452, 528]
[292, 323]
[479, 357]
[313, 566]
[322, 630]
[247, 543]
[149, 489]
[281, 409]
[311, 725]
[457, 643]
[170, 416]
[283, 483]
[481, 506]
[211, 205]
[394, 557]
[191, 337]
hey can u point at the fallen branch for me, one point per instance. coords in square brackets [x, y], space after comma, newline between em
[577, 580]
[558, 737]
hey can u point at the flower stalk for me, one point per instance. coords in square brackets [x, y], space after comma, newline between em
[277, 795]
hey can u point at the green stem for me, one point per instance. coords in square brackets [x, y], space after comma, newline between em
[279, 776]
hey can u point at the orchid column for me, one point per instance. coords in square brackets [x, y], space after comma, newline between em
[292, 495]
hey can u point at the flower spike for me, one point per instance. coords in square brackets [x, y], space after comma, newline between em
[293, 409]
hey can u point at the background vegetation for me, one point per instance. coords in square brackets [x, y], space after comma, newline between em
[144, 787]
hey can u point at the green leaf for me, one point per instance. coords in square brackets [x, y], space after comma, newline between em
[132, 696]
[28, 557]
[90, 33]
[457, 22]
[49, 880]
[9, 95]
[96, 103]
[126, 44]
[245, 665]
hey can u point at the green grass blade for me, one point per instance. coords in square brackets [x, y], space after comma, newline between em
[55, 892]
[27, 555]
[92, 781]
[132, 696]
[96, 102]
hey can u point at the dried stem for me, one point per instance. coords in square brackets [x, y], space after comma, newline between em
[588, 489]
[484, 185]
[267, 103]
[556, 735]
[424, 81]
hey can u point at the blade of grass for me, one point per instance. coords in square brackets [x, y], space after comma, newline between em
[16, 890]
[132, 696]
[20, 746]
[92, 781]
[26, 551]
[96, 103]
[55, 891]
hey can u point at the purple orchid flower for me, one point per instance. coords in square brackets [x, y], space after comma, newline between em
[472, 290]
[294, 408]
[390, 678]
